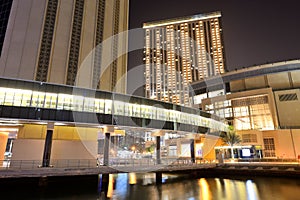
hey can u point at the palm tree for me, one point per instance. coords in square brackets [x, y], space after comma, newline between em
[231, 138]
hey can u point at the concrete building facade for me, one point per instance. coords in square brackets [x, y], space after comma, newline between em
[262, 103]
[60, 42]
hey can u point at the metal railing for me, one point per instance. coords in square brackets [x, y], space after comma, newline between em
[270, 160]
[93, 163]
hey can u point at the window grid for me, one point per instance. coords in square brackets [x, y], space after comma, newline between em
[46, 43]
[269, 147]
[60, 101]
[75, 42]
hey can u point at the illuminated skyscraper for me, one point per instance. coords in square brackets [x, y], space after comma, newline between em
[5, 7]
[49, 41]
[180, 51]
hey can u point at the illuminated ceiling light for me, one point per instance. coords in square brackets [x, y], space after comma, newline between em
[8, 129]
[42, 123]
[9, 121]
[59, 124]
[8, 124]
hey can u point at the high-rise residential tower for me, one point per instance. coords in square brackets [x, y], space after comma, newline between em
[180, 51]
[60, 41]
[5, 7]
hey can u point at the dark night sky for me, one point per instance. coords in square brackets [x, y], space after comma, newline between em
[254, 31]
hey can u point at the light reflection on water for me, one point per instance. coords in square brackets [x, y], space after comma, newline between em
[142, 186]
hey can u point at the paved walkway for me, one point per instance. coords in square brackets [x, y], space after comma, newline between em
[226, 168]
[43, 172]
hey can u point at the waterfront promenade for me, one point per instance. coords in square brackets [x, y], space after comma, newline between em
[289, 169]
[19, 169]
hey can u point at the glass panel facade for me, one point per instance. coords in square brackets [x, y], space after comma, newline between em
[118, 108]
[99, 105]
[249, 138]
[50, 100]
[37, 100]
[62, 101]
[89, 104]
[246, 113]
[78, 103]
[269, 147]
[107, 106]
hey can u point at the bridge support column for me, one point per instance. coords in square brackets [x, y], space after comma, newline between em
[104, 183]
[106, 149]
[107, 130]
[158, 160]
[48, 145]
[158, 178]
[192, 145]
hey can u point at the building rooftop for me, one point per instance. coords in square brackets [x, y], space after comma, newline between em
[182, 19]
[254, 71]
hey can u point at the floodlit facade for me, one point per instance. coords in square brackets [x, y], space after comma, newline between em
[262, 103]
[79, 117]
[181, 51]
[62, 76]
[59, 41]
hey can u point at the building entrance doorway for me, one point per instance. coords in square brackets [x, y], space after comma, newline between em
[7, 137]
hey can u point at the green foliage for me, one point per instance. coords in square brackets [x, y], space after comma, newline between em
[230, 137]
[151, 148]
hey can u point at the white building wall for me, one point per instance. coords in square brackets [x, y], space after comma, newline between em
[21, 44]
[61, 42]
[33, 149]
[87, 44]
[288, 111]
[66, 149]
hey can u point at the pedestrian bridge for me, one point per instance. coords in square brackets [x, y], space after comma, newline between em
[76, 120]
[23, 101]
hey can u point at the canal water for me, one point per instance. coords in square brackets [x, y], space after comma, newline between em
[143, 187]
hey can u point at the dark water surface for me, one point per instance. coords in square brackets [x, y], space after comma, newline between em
[143, 187]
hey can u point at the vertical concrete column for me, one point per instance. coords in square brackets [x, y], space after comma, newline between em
[107, 130]
[192, 145]
[106, 149]
[158, 178]
[104, 184]
[158, 160]
[48, 145]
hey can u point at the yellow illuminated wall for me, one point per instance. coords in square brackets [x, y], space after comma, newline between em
[208, 147]
[3, 142]
[68, 142]
[30, 131]
[285, 142]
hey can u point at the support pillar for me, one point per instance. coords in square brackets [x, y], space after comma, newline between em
[192, 145]
[106, 149]
[105, 183]
[158, 178]
[158, 160]
[48, 145]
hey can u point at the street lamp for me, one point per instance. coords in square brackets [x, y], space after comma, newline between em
[133, 148]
